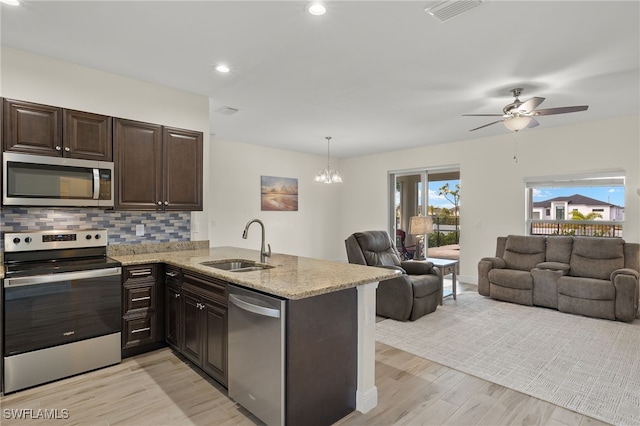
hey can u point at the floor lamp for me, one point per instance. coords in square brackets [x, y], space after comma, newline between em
[421, 226]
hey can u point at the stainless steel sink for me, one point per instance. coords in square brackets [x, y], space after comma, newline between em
[239, 265]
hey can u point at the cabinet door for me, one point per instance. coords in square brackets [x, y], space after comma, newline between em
[215, 341]
[87, 136]
[32, 128]
[192, 330]
[182, 168]
[173, 316]
[137, 153]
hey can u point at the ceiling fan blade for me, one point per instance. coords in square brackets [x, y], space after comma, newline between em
[482, 115]
[533, 123]
[499, 121]
[530, 104]
[560, 110]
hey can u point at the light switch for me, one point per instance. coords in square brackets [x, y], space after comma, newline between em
[139, 230]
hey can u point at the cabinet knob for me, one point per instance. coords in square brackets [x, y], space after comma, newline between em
[58, 148]
[177, 295]
[166, 203]
[159, 203]
[67, 149]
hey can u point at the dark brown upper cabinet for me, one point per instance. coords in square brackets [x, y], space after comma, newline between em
[87, 135]
[157, 168]
[32, 128]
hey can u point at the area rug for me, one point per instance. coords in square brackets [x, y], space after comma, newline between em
[587, 365]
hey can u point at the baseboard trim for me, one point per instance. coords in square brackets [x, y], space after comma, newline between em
[366, 400]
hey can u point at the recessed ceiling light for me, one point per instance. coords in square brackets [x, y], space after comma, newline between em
[10, 2]
[317, 9]
[222, 68]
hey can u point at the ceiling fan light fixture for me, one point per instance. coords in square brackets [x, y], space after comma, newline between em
[517, 123]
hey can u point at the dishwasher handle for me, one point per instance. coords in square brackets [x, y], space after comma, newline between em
[260, 310]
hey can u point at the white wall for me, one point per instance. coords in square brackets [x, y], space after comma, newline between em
[39, 79]
[492, 191]
[329, 213]
[236, 169]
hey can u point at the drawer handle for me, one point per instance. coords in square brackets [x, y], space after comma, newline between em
[140, 273]
[141, 330]
[139, 299]
[171, 274]
[176, 295]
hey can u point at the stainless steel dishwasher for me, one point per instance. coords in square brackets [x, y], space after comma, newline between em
[257, 353]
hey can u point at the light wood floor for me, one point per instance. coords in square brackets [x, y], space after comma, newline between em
[160, 388]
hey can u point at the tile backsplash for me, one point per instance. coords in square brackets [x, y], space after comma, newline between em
[159, 227]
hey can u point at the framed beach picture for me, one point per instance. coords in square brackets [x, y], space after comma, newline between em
[278, 194]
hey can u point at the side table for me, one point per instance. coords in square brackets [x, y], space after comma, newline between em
[446, 267]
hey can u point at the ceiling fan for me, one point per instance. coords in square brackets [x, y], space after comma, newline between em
[518, 115]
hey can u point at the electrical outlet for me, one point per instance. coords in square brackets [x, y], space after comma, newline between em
[139, 230]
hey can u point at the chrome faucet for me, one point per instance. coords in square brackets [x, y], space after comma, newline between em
[263, 254]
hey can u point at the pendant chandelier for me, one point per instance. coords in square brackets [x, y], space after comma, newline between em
[328, 175]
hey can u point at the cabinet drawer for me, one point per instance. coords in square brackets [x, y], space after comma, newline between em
[139, 330]
[139, 273]
[206, 286]
[141, 297]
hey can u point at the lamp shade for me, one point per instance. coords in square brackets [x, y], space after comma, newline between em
[420, 225]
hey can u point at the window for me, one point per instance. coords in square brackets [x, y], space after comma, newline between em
[589, 204]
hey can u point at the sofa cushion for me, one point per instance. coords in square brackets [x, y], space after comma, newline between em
[596, 257]
[521, 280]
[524, 252]
[377, 248]
[559, 249]
[586, 288]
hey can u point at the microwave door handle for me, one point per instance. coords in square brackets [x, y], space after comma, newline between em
[96, 184]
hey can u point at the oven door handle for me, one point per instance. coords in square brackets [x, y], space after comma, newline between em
[63, 276]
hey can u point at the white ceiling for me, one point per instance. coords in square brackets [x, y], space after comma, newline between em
[375, 75]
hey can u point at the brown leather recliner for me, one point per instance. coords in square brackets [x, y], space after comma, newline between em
[415, 293]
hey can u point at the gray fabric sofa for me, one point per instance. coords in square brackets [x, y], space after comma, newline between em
[409, 296]
[591, 276]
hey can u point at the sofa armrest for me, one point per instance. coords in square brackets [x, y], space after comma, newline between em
[417, 267]
[484, 266]
[554, 266]
[394, 298]
[627, 292]
[496, 262]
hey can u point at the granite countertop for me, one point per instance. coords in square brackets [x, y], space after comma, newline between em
[292, 277]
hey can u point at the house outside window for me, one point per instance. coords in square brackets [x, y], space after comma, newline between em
[591, 204]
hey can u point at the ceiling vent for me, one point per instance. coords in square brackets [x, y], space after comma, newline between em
[227, 110]
[449, 9]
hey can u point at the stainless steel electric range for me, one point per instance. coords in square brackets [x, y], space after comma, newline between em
[61, 306]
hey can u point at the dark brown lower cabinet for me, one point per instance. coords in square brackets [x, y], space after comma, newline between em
[142, 309]
[204, 310]
[321, 358]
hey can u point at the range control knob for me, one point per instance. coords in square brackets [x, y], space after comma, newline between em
[97, 236]
[88, 237]
[28, 240]
[16, 240]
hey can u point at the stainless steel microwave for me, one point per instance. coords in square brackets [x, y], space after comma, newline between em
[36, 180]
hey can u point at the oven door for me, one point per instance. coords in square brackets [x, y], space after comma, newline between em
[49, 310]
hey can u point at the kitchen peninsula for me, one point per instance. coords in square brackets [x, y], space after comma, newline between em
[300, 281]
